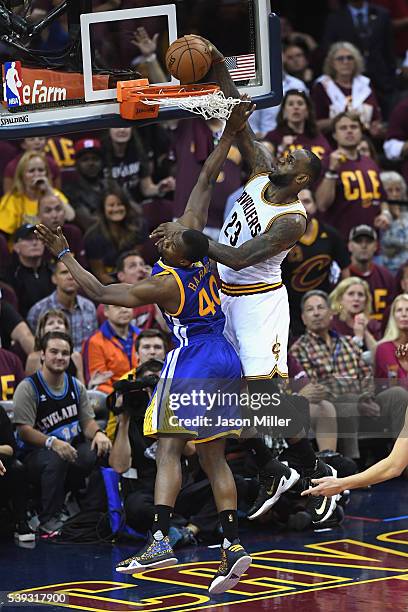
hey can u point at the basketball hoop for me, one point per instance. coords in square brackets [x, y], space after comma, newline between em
[139, 100]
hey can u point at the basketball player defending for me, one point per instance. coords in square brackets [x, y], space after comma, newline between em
[183, 286]
[262, 227]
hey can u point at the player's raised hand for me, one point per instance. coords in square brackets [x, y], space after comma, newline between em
[143, 42]
[327, 486]
[240, 115]
[2, 469]
[166, 230]
[54, 242]
[216, 55]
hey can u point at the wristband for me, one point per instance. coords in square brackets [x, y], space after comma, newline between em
[99, 430]
[49, 442]
[150, 58]
[331, 175]
[63, 252]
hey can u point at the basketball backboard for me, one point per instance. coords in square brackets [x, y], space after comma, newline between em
[60, 101]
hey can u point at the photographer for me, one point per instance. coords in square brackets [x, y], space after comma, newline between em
[133, 456]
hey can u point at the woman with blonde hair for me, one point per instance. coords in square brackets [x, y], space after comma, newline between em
[53, 320]
[31, 179]
[351, 303]
[391, 357]
[342, 87]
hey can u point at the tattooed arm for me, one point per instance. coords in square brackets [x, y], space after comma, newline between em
[284, 233]
[258, 156]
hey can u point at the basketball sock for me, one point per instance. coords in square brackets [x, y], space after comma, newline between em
[261, 453]
[161, 521]
[229, 524]
[301, 454]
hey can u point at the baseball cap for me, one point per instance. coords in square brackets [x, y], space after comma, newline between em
[87, 144]
[23, 231]
[363, 230]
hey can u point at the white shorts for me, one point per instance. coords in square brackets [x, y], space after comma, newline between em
[258, 327]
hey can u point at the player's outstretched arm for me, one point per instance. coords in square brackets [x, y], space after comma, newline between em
[196, 212]
[284, 233]
[390, 467]
[256, 154]
[162, 291]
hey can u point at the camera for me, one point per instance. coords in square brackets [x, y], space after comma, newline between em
[135, 394]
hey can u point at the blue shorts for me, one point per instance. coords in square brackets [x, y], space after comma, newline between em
[198, 392]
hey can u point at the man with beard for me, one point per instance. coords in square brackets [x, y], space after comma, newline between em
[351, 192]
[264, 224]
[315, 262]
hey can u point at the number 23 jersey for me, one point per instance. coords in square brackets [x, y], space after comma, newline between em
[251, 216]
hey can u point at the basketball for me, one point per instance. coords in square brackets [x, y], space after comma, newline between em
[188, 59]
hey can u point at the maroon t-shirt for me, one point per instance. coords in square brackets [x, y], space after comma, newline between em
[10, 169]
[322, 101]
[11, 373]
[398, 129]
[318, 145]
[193, 144]
[359, 192]
[383, 288]
[343, 329]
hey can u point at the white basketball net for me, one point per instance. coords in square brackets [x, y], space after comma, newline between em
[212, 105]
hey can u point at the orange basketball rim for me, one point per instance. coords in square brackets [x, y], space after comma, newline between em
[137, 97]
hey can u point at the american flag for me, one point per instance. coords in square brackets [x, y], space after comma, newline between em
[241, 67]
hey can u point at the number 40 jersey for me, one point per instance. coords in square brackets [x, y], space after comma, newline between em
[251, 216]
[199, 314]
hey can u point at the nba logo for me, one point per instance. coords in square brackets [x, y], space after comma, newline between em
[13, 84]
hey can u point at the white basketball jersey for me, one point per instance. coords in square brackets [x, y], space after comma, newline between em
[251, 216]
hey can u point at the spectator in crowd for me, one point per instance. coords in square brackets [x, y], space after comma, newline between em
[28, 274]
[265, 120]
[368, 27]
[13, 485]
[396, 143]
[352, 305]
[367, 148]
[343, 88]
[8, 150]
[315, 262]
[111, 349]
[351, 185]
[296, 127]
[37, 144]
[11, 374]
[20, 204]
[13, 328]
[60, 434]
[363, 245]
[130, 269]
[323, 418]
[126, 162]
[51, 212]
[336, 362]
[296, 61]
[195, 511]
[391, 357]
[53, 320]
[401, 279]
[119, 227]
[80, 311]
[86, 191]
[394, 240]
[151, 344]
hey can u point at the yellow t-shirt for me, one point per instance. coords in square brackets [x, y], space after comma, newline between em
[17, 209]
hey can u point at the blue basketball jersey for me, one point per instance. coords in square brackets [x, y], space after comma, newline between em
[199, 313]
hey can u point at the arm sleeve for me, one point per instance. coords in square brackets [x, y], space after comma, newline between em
[25, 404]
[85, 409]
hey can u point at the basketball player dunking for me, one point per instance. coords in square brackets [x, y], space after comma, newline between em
[263, 225]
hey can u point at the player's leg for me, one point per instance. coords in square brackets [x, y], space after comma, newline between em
[234, 559]
[158, 552]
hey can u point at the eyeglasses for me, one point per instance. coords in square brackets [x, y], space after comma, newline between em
[344, 58]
